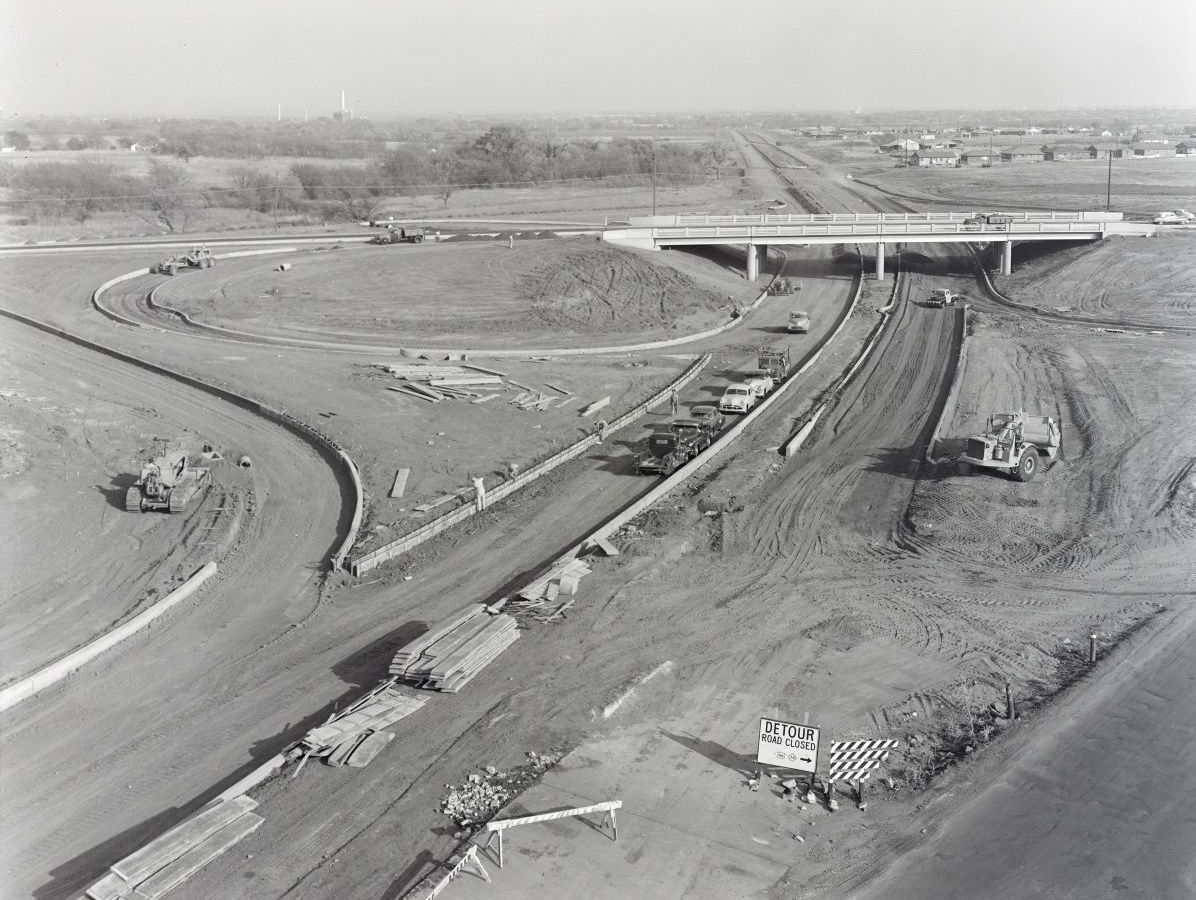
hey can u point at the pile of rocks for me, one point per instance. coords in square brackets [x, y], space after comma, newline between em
[486, 791]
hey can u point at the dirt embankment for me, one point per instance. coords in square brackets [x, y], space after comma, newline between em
[537, 293]
[1133, 279]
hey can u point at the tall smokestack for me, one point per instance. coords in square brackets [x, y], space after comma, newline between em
[342, 102]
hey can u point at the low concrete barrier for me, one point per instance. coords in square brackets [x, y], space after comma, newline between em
[429, 530]
[323, 444]
[56, 671]
[961, 362]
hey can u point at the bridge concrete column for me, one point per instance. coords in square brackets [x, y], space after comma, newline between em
[753, 263]
[880, 261]
[1007, 257]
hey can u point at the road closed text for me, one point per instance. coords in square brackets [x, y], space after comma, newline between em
[787, 744]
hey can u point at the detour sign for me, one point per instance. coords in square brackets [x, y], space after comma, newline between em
[788, 745]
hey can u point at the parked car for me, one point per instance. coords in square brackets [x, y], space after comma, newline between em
[663, 454]
[708, 414]
[737, 398]
[770, 380]
[760, 385]
[1174, 217]
[799, 323]
[692, 435]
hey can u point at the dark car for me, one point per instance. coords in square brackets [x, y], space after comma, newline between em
[708, 413]
[693, 435]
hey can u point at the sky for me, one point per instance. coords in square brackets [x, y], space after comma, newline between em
[440, 57]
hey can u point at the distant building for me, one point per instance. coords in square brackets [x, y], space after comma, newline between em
[1151, 151]
[1023, 153]
[929, 158]
[1105, 149]
[1185, 148]
[1061, 152]
[905, 145]
[980, 157]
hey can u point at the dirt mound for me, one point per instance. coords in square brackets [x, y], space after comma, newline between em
[612, 289]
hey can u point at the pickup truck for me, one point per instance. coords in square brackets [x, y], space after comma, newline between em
[737, 398]
[941, 297]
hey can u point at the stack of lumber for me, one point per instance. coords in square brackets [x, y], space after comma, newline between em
[538, 401]
[355, 735]
[434, 383]
[448, 656]
[178, 854]
[554, 591]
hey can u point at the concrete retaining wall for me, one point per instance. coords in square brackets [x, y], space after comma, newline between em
[429, 530]
[56, 671]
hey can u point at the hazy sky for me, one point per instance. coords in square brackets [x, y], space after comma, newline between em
[395, 57]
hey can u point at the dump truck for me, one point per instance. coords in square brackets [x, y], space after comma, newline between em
[168, 483]
[1015, 443]
[774, 361]
[663, 454]
[197, 258]
[783, 286]
[989, 219]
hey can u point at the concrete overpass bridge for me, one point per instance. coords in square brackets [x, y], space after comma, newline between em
[758, 233]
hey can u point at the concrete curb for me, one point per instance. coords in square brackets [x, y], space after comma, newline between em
[961, 362]
[322, 443]
[56, 671]
[406, 352]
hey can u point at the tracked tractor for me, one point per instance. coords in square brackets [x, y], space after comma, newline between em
[167, 483]
[197, 258]
[1015, 443]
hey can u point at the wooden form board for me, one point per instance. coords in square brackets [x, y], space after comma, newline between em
[400, 485]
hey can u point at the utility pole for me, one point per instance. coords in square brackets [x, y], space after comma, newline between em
[654, 178]
[1109, 185]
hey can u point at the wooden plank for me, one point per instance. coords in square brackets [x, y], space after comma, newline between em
[595, 406]
[518, 385]
[466, 379]
[400, 484]
[485, 399]
[110, 887]
[345, 749]
[420, 389]
[478, 368]
[368, 749]
[409, 393]
[158, 853]
[561, 389]
[606, 546]
[199, 856]
[565, 402]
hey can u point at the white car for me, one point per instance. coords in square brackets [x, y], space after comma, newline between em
[737, 398]
[1174, 217]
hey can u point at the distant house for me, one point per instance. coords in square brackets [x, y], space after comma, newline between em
[979, 157]
[1185, 148]
[1151, 151]
[901, 146]
[1061, 152]
[929, 158]
[1106, 149]
[1023, 153]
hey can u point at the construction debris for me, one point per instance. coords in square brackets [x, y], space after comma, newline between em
[400, 484]
[561, 389]
[554, 592]
[595, 406]
[343, 737]
[448, 656]
[171, 859]
[486, 792]
[606, 546]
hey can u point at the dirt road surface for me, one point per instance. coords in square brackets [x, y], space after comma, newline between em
[1097, 806]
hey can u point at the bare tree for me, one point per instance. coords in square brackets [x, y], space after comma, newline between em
[168, 195]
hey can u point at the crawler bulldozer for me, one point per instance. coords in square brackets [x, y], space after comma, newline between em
[197, 258]
[1015, 443]
[167, 483]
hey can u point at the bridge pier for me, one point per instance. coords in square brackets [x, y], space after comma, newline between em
[1007, 257]
[880, 261]
[753, 263]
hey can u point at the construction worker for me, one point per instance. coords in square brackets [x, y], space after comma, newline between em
[674, 403]
[512, 470]
[479, 496]
[601, 430]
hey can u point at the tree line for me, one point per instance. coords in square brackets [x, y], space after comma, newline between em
[503, 155]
